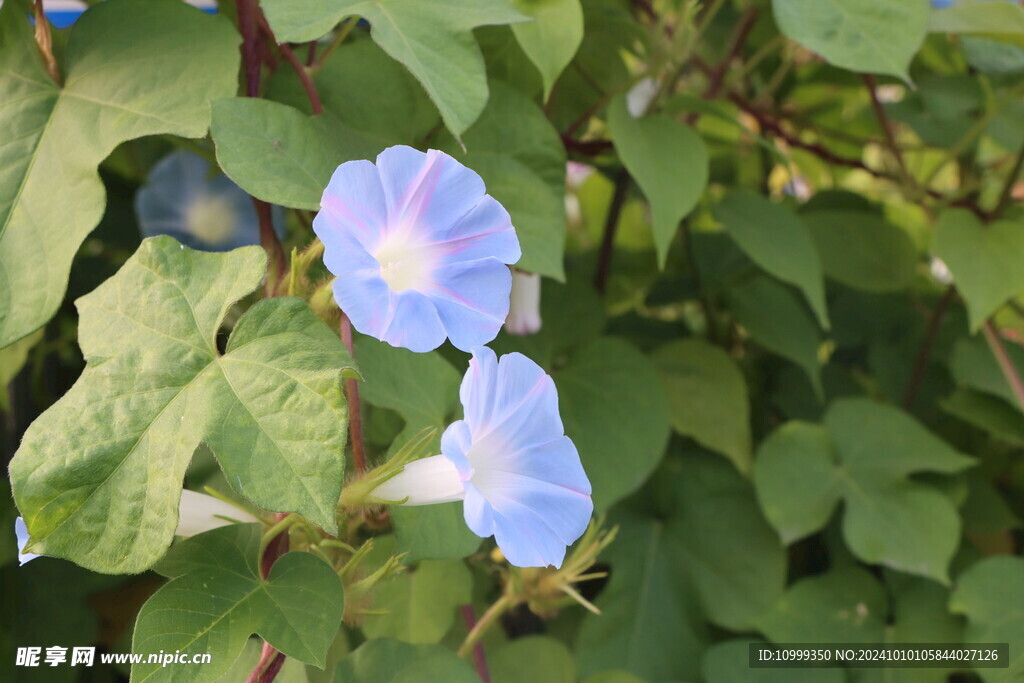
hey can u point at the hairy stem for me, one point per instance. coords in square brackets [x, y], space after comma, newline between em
[355, 419]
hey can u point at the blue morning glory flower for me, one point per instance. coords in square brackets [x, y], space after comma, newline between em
[180, 199]
[509, 460]
[419, 249]
[63, 13]
[943, 4]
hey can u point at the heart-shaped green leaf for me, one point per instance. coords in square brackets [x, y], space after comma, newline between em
[98, 475]
[51, 196]
[432, 38]
[802, 471]
[984, 260]
[216, 599]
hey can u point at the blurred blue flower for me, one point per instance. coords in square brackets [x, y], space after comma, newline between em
[419, 249]
[943, 4]
[509, 460]
[63, 13]
[21, 531]
[180, 199]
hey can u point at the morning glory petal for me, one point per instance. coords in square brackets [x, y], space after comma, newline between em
[526, 540]
[478, 512]
[455, 444]
[471, 299]
[418, 225]
[427, 192]
[353, 204]
[414, 323]
[485, 231]
[21, 532]
[518, 408]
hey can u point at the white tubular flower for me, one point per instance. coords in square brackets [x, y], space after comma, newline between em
[524, 310]
[197, 512]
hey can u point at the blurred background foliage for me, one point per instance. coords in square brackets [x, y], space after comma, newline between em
[782, 246]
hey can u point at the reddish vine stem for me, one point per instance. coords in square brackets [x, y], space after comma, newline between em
[271, 660]
[272, 245]
[885, 123]
[1006, 196]
[44, 41]
[355, 418]
[716, 77]
[604, 259]
[995, 343]
[304, 77]
[925, 352]
[479, 658]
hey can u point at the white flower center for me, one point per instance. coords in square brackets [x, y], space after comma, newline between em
[210, 218]
[403, 265]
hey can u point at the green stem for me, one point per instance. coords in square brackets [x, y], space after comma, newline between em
[274, 531]
[493, 613]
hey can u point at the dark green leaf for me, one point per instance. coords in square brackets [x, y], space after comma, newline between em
[777, 240]
[669, 162]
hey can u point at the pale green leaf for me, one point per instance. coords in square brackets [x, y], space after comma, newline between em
[876, 36]
[616, 415]
[798, 484]
[421, 604]
[56, 137]
[979, 17]
[846, 605]
[98, 475]
[533, 659]
[707, 397]
[777, 240]
[279, 154]
[864, 458]
[521, 159]
[216, 598]
[432, 38]
[984, 259]
[861, 250]
[989, 594]
[384, 660]
[667, 159]
[552, 38]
